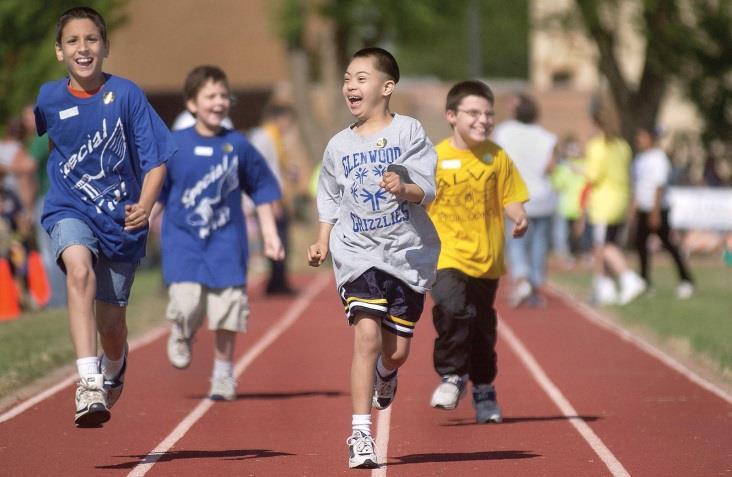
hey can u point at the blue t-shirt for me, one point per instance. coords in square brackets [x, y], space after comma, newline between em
[102, 148]
[204, 237]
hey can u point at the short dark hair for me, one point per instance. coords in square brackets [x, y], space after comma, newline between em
[652, 130]
[79, 13]
[385, 62]
[199, 76]
[467, 88]
[526, 110]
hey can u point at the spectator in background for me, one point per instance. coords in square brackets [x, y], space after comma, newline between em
[607, 170]
[38, 150]
[268, 138]
[651, 172]
[531, 147]
[568, 179]
[17, 164]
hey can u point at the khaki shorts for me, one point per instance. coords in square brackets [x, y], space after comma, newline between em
[226, 308]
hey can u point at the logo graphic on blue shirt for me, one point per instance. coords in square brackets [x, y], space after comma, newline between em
[101, 181]
[211, 212]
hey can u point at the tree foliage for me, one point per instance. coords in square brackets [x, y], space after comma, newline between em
[688, 42]
[27, 58]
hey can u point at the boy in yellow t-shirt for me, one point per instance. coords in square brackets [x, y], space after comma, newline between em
[476, 184]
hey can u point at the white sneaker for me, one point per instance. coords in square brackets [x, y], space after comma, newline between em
[91, 401]
[361, 451]
[685, 290]
[223, 389]
[604, 291]
[520, 293]
[115, 385]
[384, 390]
[179, 347]
[632, 286]
[449, 392]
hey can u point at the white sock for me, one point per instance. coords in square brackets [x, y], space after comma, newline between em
[361, 422]
[223, 369]
[111, 368]
[87, 366]
[383, 371]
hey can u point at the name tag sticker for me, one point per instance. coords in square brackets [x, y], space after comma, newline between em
[451, 164]
[68, 113]
[203, 151]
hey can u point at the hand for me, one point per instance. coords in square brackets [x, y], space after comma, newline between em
[135, 217]
[273, 249]
[317, 254]
[392, 182]
[520, 226]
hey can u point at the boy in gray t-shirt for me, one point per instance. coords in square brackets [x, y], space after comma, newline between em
[376, 177]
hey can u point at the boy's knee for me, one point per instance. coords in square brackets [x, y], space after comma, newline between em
[79, 276]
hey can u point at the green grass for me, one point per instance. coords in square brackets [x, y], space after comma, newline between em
[700, 326]
[38, 343]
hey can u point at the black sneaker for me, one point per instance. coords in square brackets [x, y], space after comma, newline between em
[384, 390]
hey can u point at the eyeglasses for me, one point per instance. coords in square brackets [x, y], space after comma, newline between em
[475, 114]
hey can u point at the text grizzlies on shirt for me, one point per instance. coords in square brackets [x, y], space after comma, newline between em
[381, 156]
[365, 224]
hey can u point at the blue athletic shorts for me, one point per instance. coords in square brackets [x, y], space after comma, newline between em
[386, 298]
[114, 279]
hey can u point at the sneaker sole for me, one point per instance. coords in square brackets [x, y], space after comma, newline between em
[366, 464]
[375, 402]
[490, 420]
[95, 416]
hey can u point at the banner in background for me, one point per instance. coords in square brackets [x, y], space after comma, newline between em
[701, 208]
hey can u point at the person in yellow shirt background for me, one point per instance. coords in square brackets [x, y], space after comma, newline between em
[607, 169]
[476, 184]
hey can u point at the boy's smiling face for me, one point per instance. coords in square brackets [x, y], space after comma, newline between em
[210, 107]
[82, 50]
[365, 88]
[473, 121]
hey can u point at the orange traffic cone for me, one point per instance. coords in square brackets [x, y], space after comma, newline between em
[9, 296]
[38, 285]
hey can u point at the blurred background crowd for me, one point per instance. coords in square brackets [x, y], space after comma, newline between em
[588, 68]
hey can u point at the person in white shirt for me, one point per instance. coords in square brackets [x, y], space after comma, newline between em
[651, 172]
[531, 147]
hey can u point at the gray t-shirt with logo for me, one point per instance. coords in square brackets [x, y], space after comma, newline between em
[371, 227]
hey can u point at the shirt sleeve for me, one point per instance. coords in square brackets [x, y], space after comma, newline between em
[329, 194]
[152, 140]
[420, 160]
[661, 169]
[41, 126]
[255, 177]
[512, 185]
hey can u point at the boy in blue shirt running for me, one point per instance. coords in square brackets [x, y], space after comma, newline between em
[106, 168]
[203, 233]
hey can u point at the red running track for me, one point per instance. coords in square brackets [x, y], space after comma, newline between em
[578, 401]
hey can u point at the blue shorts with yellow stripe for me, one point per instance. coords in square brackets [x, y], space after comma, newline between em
[385, 297]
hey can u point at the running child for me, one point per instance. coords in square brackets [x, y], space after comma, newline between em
[376, 176]
[106, 168]
[478, 183]
[204, 238]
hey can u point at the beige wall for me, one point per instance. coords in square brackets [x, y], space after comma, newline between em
[164, 39]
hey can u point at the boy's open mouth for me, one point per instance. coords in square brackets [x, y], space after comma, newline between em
[354, 100]
[84, 61]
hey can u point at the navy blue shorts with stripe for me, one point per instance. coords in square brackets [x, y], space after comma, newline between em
[385, 297]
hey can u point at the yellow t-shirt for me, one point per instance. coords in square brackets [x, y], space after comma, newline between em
[608, 171]
[468, 209]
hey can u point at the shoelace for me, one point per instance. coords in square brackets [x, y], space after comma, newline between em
[384, 385]
[362, 444]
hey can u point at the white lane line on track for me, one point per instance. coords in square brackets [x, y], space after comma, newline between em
[290, 317]
[598, 319]
[139, 342]
[382, 441]
[612, 463]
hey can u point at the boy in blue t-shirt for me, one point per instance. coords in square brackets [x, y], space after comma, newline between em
[204, 239]
[106, 168]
